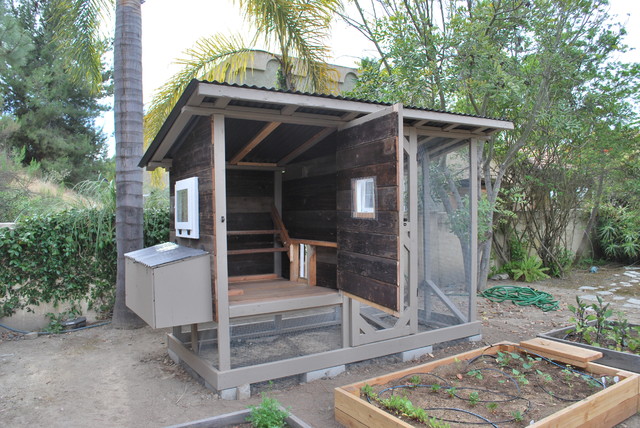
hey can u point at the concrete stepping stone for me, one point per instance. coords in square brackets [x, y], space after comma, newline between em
[634, 301]
[619, 298]
[631, 274]
[590, 297]
[604, 293]
[587, 288]
[629, 305]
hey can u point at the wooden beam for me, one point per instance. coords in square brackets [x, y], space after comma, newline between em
[257, 164]
[257, 250]
[306, 145]
[264, 133]
[222, 102]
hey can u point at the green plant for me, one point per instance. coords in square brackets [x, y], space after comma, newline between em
[475, 373]
[492, 407]
[520, 377]
[435, 387]
[530, 269]
[268, 414]
[451, 391]
[414, 380]
[56, 321]
[618, 232]
[474, 397]
[517, 416]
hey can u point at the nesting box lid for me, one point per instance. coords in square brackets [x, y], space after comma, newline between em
[162, 254]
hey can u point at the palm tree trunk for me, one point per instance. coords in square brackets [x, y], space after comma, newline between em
[129, 138]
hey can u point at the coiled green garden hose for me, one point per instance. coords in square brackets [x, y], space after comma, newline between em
[521, 296]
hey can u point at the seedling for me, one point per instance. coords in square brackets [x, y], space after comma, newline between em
[520, 377]
[435, 387]
[492, 407]
[414, 380]
[451, 391]
[517, 416]
[475, 373]
[474, 397]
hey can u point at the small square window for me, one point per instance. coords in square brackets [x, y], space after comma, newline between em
[364, 197]
[186, 209]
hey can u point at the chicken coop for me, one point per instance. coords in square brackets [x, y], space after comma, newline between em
[336, 230]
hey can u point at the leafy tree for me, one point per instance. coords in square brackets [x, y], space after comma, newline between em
[54, 112]
[541, 63]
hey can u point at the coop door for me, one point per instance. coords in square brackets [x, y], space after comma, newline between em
[368, 218]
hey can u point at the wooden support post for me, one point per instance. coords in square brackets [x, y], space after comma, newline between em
[220, 242]
[294, 262]
[194, 338]
[311, 264]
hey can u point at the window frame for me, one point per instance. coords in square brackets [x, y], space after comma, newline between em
[189, 229]
[362, 206]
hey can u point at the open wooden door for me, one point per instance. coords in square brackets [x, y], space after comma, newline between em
[368, 217]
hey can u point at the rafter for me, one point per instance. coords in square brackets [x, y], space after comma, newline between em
[260, 136]
[306, 145]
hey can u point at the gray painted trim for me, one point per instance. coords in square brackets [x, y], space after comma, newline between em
[218, 140]
[263, 372]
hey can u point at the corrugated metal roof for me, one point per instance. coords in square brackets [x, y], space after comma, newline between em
[339, 97]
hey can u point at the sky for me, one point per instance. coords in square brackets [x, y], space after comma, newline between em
[169, 27]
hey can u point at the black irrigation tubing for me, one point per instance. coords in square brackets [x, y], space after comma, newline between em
[454, 409]
[445, 385]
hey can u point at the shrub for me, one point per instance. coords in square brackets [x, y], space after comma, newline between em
[68, 256]
[619, 233]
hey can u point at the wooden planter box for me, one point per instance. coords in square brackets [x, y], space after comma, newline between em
[610, 357]
[602, 409]
[232, 419]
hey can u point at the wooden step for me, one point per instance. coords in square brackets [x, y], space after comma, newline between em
[257, 250]
[252, 232]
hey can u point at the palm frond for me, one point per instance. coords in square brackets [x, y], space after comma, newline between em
[216, 58]
[77, 30]
[299, 28]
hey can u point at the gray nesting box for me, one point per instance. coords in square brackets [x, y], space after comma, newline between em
[169, 285]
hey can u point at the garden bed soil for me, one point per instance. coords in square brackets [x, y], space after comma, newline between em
[502, 384]
[610, 357]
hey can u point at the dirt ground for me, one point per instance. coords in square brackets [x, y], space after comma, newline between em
[104, 377]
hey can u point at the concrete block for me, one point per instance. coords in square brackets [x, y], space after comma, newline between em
[323, 373]
[476, 338]
[229, 394]
[174, 356]
[244, 391]
[415, 354]
[31, 336]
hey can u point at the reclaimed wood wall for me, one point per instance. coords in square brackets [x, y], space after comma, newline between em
[368, 249]
[309, 210]
[249, 201]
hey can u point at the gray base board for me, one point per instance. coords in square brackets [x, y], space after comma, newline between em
[268, 371]
[611, 358]
[232, 419]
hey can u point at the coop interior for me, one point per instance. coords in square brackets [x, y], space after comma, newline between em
[282, 258]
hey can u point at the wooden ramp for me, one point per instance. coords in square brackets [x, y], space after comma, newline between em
[277, 296]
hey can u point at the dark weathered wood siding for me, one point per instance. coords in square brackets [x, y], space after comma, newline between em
[249, 202]
[195, 159]
[309, 210]
[368, 256]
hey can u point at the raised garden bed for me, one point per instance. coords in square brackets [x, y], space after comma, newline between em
[610, 357]
[505, 399]
[237, 419]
